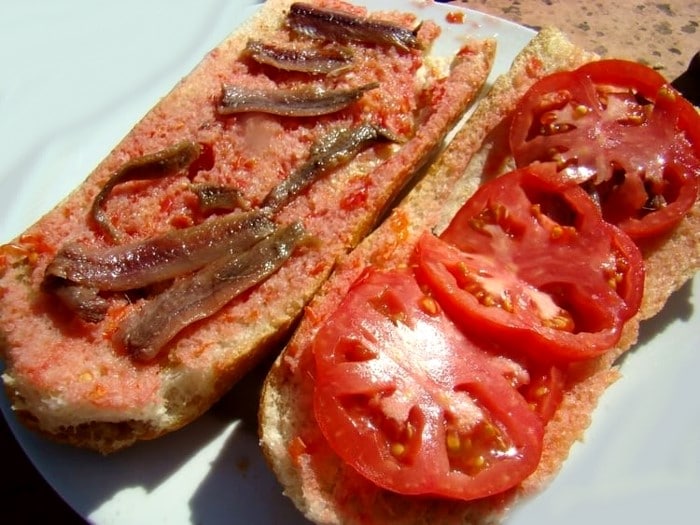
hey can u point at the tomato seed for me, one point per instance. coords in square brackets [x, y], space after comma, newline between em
[452, 440]
[507, 305]
[581, 110]
[479, 461]
[489, 300]
[541, 391]
[666, 93]
[397, 450]
[429, 306]
[562, 321]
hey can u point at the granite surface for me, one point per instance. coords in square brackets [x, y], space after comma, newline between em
[664, 35]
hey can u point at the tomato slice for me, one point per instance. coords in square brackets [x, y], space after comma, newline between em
[404, 398]
[531, 264]
[620, 130]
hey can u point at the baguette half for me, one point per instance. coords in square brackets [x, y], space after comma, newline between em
[69, 379]
[325, 489]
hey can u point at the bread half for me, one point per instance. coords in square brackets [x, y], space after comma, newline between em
[323, 487]
[73, 379]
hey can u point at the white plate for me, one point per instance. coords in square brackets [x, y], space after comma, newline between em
[76, 75]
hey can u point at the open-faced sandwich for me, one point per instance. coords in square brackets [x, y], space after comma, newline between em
[190, 251]
[454, 357]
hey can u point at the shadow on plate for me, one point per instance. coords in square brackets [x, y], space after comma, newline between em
[89, 481]
[239, 486]
[679, 307]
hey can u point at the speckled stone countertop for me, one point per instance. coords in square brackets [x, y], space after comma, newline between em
[664, 35]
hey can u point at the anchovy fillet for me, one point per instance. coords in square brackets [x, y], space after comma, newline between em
[214, 197]
[153, 166]
[306, 101]
[157, 259]
[336, 26]
[334, 150]
[324, 61]
[205, 292]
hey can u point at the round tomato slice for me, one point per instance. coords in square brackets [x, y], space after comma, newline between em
[405, 399]
[620, 130]
[531, 264]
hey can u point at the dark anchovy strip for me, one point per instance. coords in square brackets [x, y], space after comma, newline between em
[219, 198]
[84, 301]
[153, 166]
[334, 150]
[333, 25]
[204, 293]
[307, 101]
[135, 265]
[325, 61]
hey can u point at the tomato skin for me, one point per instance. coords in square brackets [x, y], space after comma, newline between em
[505, 270]
[400, 391]
[620, 72]
[640, 159]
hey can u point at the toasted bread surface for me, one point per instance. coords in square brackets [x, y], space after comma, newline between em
[67, 379]
[324, 488]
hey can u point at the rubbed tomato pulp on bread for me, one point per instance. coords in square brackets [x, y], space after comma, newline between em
[438, 378]
[253, 151]
[69, 371]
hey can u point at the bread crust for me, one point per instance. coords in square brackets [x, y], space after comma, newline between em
[205, 360]
[319, 483]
